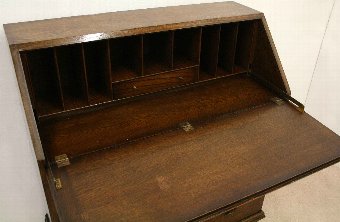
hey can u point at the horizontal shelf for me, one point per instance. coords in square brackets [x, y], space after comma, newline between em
[194, 83]
[83, 75]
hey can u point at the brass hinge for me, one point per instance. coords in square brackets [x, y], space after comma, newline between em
[62, 160]
[186, 126]
[57, 183]
[277, 100]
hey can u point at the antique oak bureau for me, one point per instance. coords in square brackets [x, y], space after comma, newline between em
[168, 114]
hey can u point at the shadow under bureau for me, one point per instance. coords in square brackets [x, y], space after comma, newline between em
[179, 113]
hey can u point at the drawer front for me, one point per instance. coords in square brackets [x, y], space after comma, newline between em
[240, 213]
[154, 83]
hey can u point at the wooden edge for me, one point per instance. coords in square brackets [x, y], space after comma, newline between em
[278, 61]
[32, 126]
[129, 32]
[45, 181]
[220, 212]
[266, 190]
[255, 217]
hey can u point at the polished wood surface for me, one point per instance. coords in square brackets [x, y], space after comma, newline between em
[112, 91]
[178, 175]
[247, 211]
[83, 81]
[141, 117]
[79, 28]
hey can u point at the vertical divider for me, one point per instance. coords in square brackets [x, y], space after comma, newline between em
[199, 53]
[209, 52]
[60, 90]
[235, 44]
[171, 48]
[226, 56]
[107, 64]
[86, 88]
[140, 62]
[98, 71]
[141, 57]
[243, 47]
[253, 44]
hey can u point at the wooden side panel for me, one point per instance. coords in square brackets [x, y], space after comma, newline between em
[265, 62]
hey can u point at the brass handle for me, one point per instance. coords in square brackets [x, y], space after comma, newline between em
[181, 78]
[134, 87]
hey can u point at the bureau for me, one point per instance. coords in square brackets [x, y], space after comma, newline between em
[179, 113]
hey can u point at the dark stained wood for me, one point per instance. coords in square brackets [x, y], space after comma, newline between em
[77, 28]
[157, 52]
[145, 116]
[244, 44]
[154, 83]
[126, 58]
[178, 175]
[209, 49]
[98, 70]
[228, 40]
[186, 47]
[72, 76]
[239, 214]
[115, 102]
[266, 68]
[46, 185]
[45, 81]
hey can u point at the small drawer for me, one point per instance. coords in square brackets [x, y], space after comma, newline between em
[249, 211]
[154, 83]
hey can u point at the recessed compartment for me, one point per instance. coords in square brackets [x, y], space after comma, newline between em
[227, 49]
[126, 57]
[244, 46]
[98, 71]
[186, 47]
[154, 83]
[157, 52]
[72, 75]
[209, 51]
[41, 69]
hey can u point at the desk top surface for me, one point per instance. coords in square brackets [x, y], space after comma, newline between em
[177, 176]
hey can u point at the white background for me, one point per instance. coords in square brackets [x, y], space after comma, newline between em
[299, 30]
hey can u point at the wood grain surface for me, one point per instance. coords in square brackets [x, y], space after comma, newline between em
[89, 27]
[179, 175]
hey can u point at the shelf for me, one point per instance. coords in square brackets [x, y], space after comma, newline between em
[84, 74]
[146, 115]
